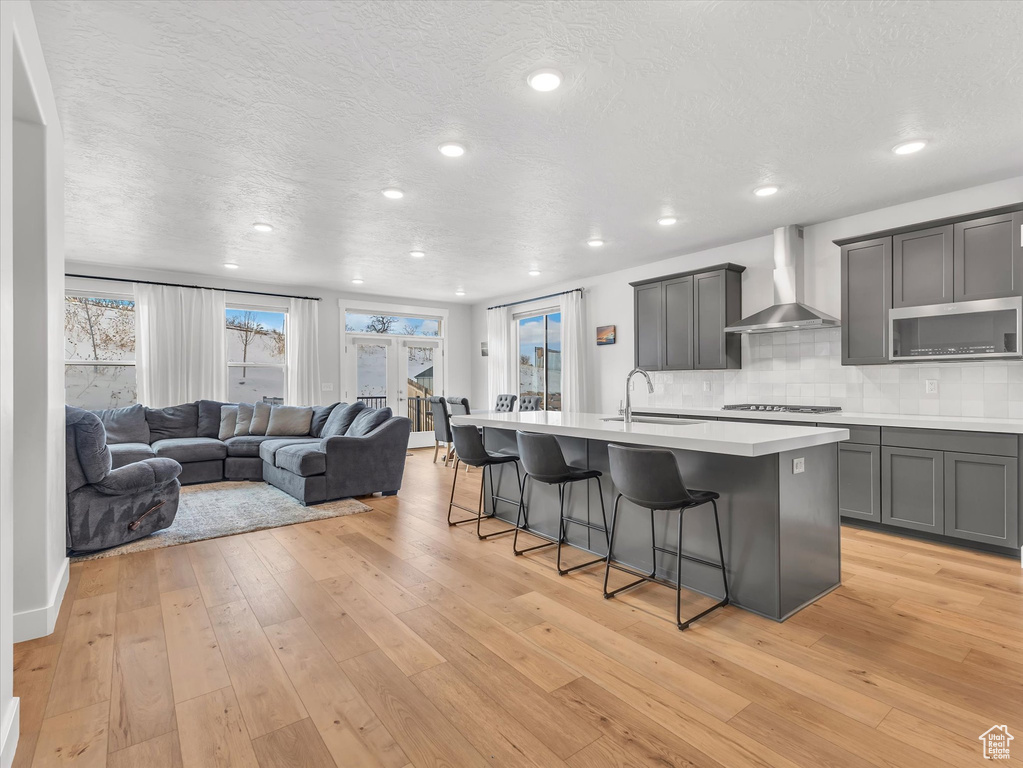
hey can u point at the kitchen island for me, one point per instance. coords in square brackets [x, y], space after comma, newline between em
[778, 506]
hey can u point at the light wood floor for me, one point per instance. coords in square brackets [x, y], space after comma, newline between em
[388, 639]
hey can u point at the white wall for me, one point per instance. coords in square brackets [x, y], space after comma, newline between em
[31, 265]
[457, 335]
[608, 301]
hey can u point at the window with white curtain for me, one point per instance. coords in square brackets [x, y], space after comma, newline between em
[99, 350]
[539, 356]
[256, 354]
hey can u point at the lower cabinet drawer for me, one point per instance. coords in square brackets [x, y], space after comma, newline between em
[982, 498]
[913, 488]
[859, 481]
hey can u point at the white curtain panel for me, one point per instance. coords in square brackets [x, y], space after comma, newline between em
[303, 351]
[573, 352]
[502, 360]
[180, 344]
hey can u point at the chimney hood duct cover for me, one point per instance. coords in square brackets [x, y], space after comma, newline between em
[788, 313]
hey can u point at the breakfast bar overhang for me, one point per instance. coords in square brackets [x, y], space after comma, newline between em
[778, 506]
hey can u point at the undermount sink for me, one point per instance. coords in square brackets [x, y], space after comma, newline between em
[655, 420]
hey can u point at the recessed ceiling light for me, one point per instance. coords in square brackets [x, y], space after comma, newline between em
[667, 221]
[262, 226]
[534, 273]
[909, 147]
[357, 281]
[452, 149]
[594, 242]
[393, 194]
[229, 265]
[765, 191]
[459, 292]
[417, 254]
[544, 80]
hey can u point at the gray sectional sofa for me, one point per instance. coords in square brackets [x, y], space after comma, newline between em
[346, 450]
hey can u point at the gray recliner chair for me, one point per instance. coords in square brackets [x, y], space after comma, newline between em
[107, 507]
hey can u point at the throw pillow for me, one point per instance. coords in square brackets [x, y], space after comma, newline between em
[228, 421]
[260, 419]
[125, 425]
[368, 420]
[341, 419]
[289, 420]
[209, 417]
[173, 421]
[320, 415]
[244, 419]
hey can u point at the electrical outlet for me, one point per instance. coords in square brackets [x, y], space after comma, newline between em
[931, 386]
[706, 386]
[327, 387]
[798, 466]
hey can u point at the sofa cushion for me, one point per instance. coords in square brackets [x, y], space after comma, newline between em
[244, 419]
[260, 419]
[173, 422]
[246, 445]
[228, 421]
[268, 448]
[368, 420]
[304, 459]
[88, 457]
[320, 415]
[128, 453]
[341, 418]
[289, 420]
[125, 425]
[209, 418]
[185, 449]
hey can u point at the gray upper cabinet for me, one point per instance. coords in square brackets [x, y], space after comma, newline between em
[649, 322]
[922, 267]
[681, 319]
[678, 323]
[989, 257]
[866, 299]
[982, 498]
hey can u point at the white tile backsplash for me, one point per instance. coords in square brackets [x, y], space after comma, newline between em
[805, 368]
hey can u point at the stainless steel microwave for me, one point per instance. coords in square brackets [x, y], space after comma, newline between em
[966, 330]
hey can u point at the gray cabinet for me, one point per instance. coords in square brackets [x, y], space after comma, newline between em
[866, 299]
[982, 498]
[922, 267]
[988, 257]
[649, 320]
[859, 481]
[913, 488]
[678, 323]
[681, 319]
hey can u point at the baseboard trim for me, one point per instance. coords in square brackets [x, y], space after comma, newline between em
[9, 733]
[39, 622]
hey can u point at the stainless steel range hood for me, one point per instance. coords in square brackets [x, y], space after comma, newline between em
[788, 313]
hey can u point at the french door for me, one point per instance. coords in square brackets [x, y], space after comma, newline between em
[400, 373]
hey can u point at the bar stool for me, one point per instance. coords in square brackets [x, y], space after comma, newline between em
[544, 462]
[650, 478]
[469, 450]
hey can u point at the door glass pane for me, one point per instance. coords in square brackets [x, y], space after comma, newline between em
[99, 329]
[255, 384]
[100, 386]
[371, 374]
[420, 362]
[531, 346]
[552, 362]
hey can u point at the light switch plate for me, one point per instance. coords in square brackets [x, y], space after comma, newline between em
[931, 386]
[327, 387]
[798, 466]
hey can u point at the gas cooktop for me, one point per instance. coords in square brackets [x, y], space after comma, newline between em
[782, 408]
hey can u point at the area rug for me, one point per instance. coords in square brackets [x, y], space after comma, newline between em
[223, 509]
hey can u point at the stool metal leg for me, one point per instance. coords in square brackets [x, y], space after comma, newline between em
[609, 563]
[678, 588]
[522, 523]
[561, 530]
[494, 498]
[479, 516]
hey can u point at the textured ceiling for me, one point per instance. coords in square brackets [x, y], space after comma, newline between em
[185, 122]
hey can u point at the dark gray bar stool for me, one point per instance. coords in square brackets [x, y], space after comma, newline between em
[650, 478]
[544, 462]
[469, 450]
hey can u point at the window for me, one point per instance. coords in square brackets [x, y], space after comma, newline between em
[256, 356]
[99, 352]
[540, 358]
[392, 325]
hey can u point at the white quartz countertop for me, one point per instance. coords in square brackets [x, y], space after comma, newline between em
[736, 439]
[960, 423]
